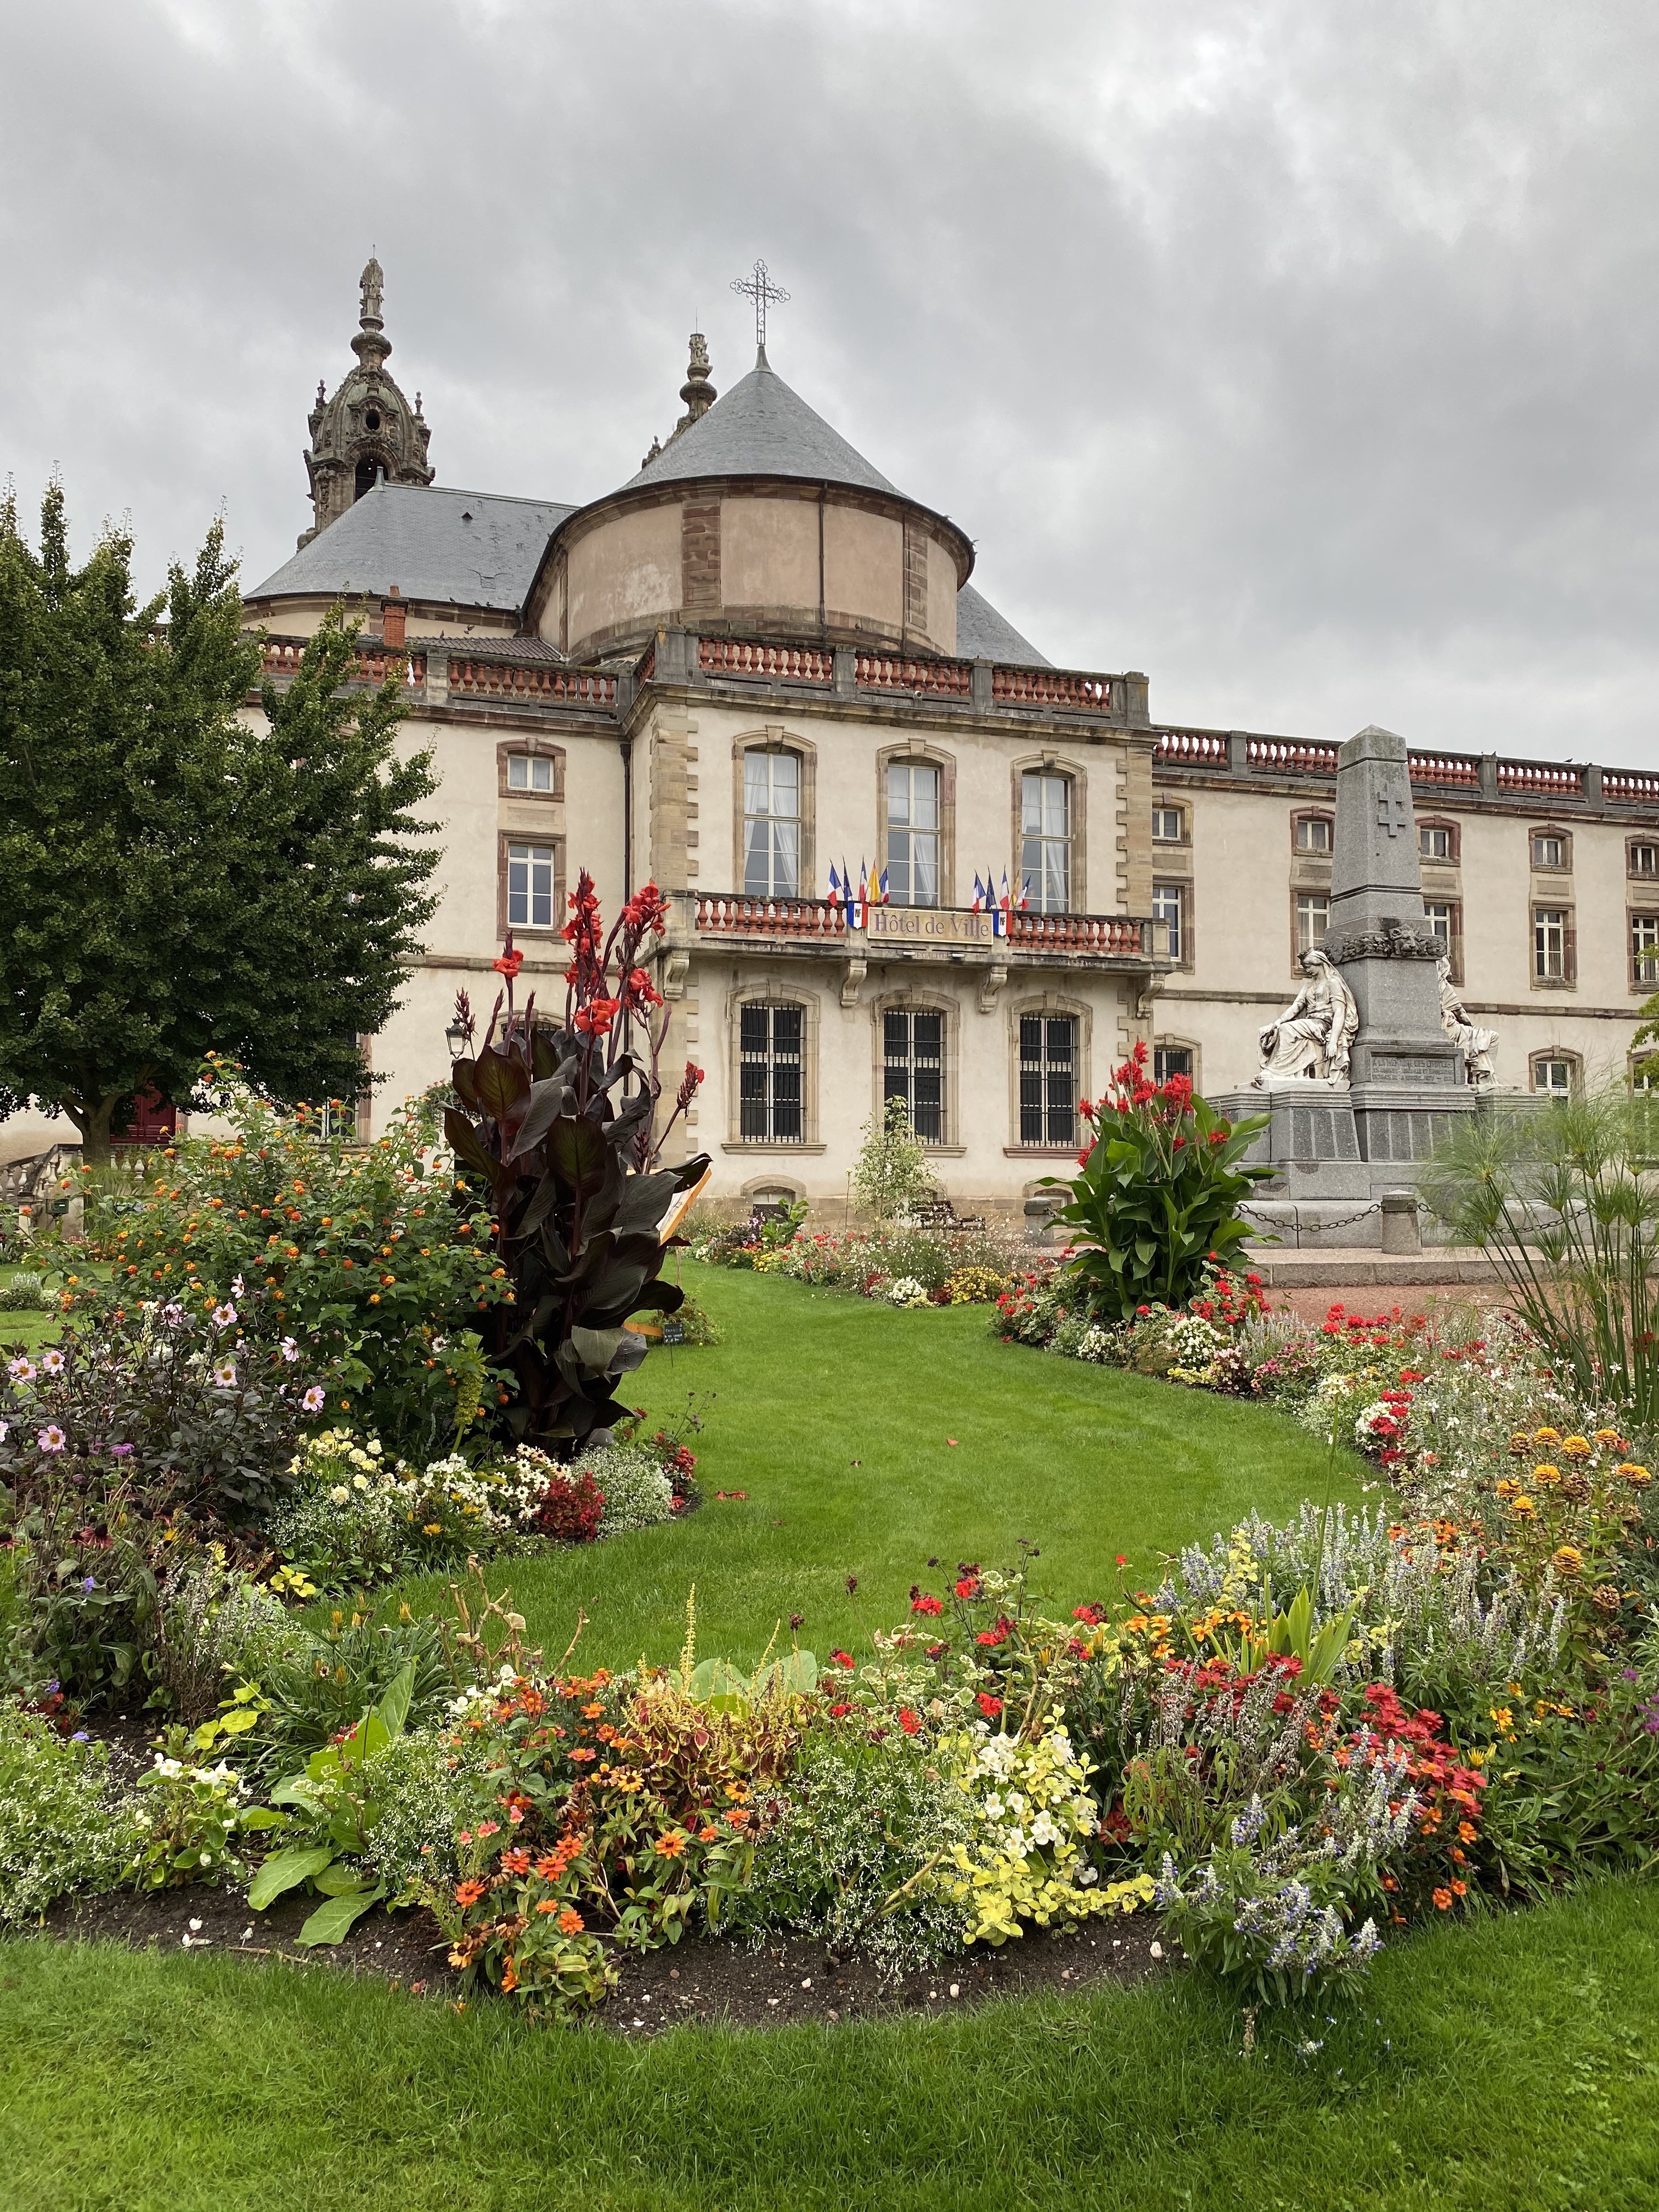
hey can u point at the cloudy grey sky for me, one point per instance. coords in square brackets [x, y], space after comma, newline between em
[1299, 353]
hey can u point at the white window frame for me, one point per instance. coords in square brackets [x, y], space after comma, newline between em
[525, 861]
[771, 830]
[530, 774]
[915, 808]
[1306, 903]
[1550, 925]
[1045, 850]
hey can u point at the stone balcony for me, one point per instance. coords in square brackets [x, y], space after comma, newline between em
[1130, 944]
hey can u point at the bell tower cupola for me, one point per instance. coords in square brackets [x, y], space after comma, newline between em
[368, 433]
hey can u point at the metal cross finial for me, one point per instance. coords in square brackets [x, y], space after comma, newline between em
[760, 289]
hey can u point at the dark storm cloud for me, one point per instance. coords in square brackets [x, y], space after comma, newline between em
[1303, 356]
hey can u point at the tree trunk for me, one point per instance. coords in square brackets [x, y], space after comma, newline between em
[93, 1123]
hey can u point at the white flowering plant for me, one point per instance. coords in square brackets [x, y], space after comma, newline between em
[1032, 1819]
[906, 1291]
[195, 1816]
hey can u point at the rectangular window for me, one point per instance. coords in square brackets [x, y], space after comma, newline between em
[1045, 848]
[913, 1068]
[1166, 825]
[1313, 833]
[911, 834]
[771, 825]
[1048, 1079]
[1170, 1059]
[1549, 944]
[1438, 916]
[529, 772]
[769, 1074]
[1434, 841]
[530, 895]
[1644, 951]
[1644, 860]
[1548, 849]
[1313, 919]
[1169, 904]
[1555, 1076]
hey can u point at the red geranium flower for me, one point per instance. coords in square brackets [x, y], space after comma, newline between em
[910, 1720]
[988, 1705]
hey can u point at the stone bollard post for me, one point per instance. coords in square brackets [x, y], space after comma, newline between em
[1400, 1232]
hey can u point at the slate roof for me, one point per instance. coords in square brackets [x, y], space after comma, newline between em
[760, 428]
[984, 634]
[418, 537]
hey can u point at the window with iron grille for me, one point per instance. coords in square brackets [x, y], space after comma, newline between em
[1048, 1079]
[1644, 951]
[911, 834]
[1045, 847]
[531, 897]
[771, 824]
[1170, 1059]
[1313, 919]
[1169, 904]
[1549, 944]
[913, 1068]
[769, 1092]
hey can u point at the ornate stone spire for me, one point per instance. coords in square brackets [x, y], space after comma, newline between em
[698, 392]
[368, 433]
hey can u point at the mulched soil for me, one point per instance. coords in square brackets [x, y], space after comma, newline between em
[786, 1982]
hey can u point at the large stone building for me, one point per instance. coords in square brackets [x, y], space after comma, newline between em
[756, 658]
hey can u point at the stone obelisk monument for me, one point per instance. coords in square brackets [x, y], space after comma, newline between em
[1359, 1075]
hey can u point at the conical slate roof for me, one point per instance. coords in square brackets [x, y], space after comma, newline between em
[762, 428]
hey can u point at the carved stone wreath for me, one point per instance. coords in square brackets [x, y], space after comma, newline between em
[1398, 941]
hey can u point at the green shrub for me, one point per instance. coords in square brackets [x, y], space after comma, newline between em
[25, 1293]
[63, 1826]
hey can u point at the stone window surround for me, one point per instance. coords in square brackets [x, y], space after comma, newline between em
[1183, 885]
[920, 997]
[1431, 898]
[1634, 845]
[1312, 814]
[773, 737]
[1162, 1043]
[506, 836]
[1184, 814]
[1452, 858]
[1046, 1002]
[1552, 902]
[769, 992]
[1537, 829]
[1051, 763]
[1575, 1067]
[536, 747]
[1647, 911]
[917, 753]
[1322, 890]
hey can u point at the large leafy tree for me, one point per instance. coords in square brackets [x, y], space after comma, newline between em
[179, 876]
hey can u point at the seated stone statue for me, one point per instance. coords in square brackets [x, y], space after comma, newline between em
[1314, 1035]
[1475, 1043]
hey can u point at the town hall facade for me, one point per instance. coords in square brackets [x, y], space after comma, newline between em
[756, 661]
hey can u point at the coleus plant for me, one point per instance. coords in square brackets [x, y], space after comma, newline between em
[560, 1120]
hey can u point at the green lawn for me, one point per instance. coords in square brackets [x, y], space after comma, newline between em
[1515, 2064]
[835, 1416]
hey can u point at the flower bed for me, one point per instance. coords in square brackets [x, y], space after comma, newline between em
[891, 1263]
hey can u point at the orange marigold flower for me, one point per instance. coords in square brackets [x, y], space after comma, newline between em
[584, 1752]
[1576, 1448]
[1465, 1832]
[594, 1713]
[1544, 1475]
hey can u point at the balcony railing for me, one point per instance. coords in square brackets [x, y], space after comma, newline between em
[283, 656]
[941, 931]
[540, 683]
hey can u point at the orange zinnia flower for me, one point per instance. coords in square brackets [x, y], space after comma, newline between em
[671, 1845]
[469, 1893]
[1442, 1898]
[571, 1922]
